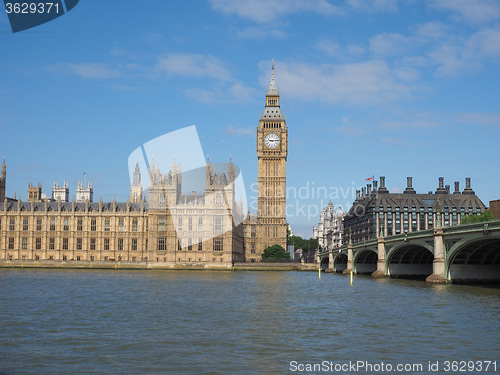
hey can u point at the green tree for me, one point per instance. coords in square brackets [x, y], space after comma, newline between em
[305, 245]
[297, 241]
[275, 252]
[314, 244]
[485, 216]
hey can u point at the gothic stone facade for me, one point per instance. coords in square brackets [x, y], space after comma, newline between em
[3, 182]
[191, 231]
[172, 229]
[269, 226]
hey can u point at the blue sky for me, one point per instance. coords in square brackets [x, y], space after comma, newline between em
[385, 88]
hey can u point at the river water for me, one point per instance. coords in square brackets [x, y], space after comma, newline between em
[203, 322]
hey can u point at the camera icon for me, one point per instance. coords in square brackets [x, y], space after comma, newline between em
[200, 199]
[26, 14]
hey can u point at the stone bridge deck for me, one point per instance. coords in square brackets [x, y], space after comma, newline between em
[463, 253]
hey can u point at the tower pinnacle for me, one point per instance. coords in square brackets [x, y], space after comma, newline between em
[4, 168]
[272, 110]
[273, 89]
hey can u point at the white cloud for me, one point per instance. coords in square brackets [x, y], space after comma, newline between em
[239, 131]
[476, 11]
[331, 48]
[432, 30]
[364, 83]
[242, 93]
[260, 33]
[222, 93]
[407, 74]
[485, 43]
[193, 65]
[468, 54]
[445, 49]
[205, 96]
[425, 122]
[355, 50]
[373, 5]
[263, 11]
[389, 44]
[396, 189]
[336, 50]
[87, 70]
[491, 119]
[350, 131]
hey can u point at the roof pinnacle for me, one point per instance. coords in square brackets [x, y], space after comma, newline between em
[273, 89]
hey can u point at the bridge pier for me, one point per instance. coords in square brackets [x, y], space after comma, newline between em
[349, 260]
[381, 266]
[330, 262]
[438, 265]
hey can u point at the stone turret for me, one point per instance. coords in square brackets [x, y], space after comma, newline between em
[34, 192]
[468, 189]
[382, 189]
[3, 181]
[441, 189]
[409, 188]
[136, 187]
[230, 171]
[84, 193]
[60, 193]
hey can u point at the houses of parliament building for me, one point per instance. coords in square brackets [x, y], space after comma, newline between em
[171, 229]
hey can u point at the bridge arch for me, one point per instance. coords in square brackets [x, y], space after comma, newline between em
[410, 260]
[474, 259]
[339, 262]
[325, 261]
[365, 261]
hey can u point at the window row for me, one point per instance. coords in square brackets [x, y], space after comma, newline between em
[79, 224]
[218, 223]
[79, 244]
[218, 244]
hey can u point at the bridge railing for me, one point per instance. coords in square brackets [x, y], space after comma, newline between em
[427, 233]
[474, 227]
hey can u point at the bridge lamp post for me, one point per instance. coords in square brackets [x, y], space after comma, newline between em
[438, 209]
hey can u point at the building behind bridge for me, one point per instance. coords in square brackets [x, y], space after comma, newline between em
[330, 229]
[377, 210]
[495, 208]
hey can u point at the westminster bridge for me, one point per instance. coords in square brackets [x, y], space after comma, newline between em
[463, 253]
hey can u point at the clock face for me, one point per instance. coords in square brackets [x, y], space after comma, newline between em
[272, 140]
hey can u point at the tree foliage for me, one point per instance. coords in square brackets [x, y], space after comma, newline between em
[485, 216]
[275, 252]
[305, 245]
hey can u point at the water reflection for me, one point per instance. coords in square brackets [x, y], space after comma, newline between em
[234, 322]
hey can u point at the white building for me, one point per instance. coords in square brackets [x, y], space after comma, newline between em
[84, 193]
[60, 193]
[330, 227]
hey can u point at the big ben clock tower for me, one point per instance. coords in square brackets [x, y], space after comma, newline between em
[272, 149]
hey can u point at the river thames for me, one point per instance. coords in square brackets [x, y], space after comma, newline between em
[203, 322]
